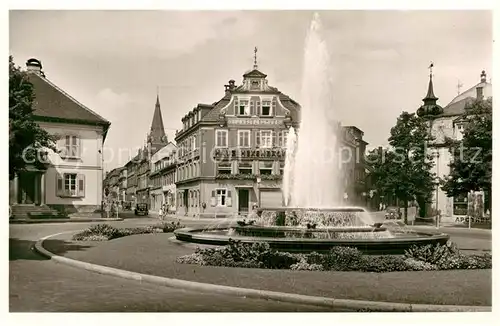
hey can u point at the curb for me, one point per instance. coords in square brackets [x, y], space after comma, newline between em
[359, 305]
[64, 220]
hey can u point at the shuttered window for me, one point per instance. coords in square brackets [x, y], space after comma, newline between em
[70, 185]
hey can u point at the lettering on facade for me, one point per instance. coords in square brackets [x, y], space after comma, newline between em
[250, 153]
[256, 121]
[474, 220]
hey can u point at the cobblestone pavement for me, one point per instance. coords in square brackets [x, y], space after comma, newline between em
[38, 284]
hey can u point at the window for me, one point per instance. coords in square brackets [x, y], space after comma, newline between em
[243, 138]
[224, 168]
[221, 197]
[71, 146]
[266, 138]
[265, 168]
[194, 145]
[266, 108]
[71, 185]
[243, 108]
[221, 138]
[282, 168]
[282, 138]
[255, 84]
[245, 168]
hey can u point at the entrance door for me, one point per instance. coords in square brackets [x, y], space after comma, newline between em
[27, 183]
[186, 201]
[243, 199]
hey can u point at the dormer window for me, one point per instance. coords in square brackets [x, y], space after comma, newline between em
[243, 108]
[266, 108]
[255, 85]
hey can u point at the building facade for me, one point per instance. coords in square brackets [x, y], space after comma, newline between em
[131, 167]
[231, 154]
[445, 123]
[162, 178]
[72, 180]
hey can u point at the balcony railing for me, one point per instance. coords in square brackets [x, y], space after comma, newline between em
[243, 176]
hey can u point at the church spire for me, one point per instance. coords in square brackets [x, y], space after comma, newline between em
[157, 131]
[430, 98]
[430, 107]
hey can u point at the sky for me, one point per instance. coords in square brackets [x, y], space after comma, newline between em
[114, 61]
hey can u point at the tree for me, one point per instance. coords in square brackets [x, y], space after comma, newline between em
[404, 170]
[26, 138]
[471, 166]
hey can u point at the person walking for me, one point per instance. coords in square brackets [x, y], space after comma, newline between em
[161, 213]
[107, 208]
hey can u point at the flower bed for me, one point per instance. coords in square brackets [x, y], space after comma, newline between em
[104, 232]
[260, 255]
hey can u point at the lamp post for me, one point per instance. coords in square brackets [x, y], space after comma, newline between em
[258, 189]
[438, 213]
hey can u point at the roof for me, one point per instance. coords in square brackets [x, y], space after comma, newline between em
[255, 73]
[472, 92]
[457, 108]
[213, 115]
[157, 130]
[52, 102]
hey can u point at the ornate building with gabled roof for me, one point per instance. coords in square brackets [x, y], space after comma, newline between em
[72, 180]
[231, 153]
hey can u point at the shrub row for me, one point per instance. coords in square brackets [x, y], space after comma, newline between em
[104, 232]
[260, 255]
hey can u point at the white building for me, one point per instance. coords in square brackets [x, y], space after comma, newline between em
[72, 181]
[446, 123]
[162, 178]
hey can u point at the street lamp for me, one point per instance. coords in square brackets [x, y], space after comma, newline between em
[258, 187]
[438, 214]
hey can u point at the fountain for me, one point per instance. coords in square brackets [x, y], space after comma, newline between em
[313, 218]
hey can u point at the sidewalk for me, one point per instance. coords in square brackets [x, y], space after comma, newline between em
[63, 220]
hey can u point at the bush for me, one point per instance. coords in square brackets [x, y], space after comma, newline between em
[102, 232]
[277, 260]
[304, 266]
[432, 254]
[412, 264]
[169, 227]
[260, 255]
[380, 264]
[461, 261]
[342, 259]
[194, 258]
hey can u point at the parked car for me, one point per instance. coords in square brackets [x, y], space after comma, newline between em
[392, 213]
[141, 209]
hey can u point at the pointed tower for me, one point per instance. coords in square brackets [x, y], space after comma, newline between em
[430, 107]
[157, 137]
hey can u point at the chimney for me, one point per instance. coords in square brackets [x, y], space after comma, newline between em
[483, 76]
[231, 84]
[479, 93]
[34, 66]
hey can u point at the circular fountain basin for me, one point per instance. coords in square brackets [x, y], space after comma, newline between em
[372, 239]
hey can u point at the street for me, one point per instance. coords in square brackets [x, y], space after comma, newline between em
[39, 284]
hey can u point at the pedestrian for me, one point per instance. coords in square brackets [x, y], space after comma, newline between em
[160, 213]
[107, 208]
